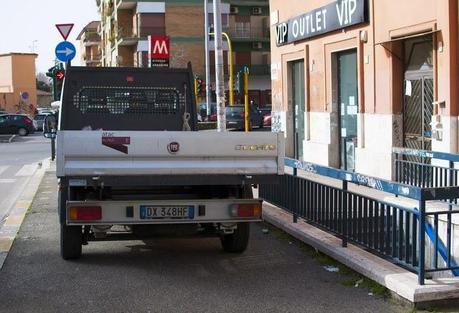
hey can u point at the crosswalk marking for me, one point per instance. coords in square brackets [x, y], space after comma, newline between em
[2, 169]
[7, 181]
[27, 170]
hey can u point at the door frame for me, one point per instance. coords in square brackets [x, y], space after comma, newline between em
[337, 95]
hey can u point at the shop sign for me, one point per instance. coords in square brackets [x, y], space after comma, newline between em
[334, 16]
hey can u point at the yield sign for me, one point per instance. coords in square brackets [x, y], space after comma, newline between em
[64, 29]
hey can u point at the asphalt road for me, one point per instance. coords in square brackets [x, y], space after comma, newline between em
[18, 162]
[168, 275]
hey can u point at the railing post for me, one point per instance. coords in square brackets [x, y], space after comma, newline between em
[345, 220]
[295, 197]
[295, 152]
[53, 147]
[422, 243]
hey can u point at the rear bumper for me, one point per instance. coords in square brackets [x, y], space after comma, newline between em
[129, 212]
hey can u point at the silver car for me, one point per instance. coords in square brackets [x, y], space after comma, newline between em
[39, 119]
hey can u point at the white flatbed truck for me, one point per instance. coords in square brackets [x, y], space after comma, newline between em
[131, 163]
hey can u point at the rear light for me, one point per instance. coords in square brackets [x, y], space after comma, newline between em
[246, 210]
[26, 120]
[242, 114]
[85, 213]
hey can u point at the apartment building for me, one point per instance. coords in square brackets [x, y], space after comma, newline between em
[18, 89]
[90, 48]
[125, 27]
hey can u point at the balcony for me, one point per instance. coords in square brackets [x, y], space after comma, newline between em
[254, 70]
[90, 57]
[91, 39]
[126, 37]
[248, 33]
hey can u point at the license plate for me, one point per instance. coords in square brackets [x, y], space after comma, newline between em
[166, 212]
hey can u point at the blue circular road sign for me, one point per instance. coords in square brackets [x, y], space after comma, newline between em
[65, 51]
[24, 95]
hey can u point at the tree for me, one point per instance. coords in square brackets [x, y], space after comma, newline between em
[43, 82]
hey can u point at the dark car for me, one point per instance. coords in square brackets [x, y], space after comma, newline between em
[16, 124]
[235, 117]
[203, 111]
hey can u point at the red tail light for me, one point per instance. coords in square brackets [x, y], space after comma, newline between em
[246, 210]
[242, 114]
[86, 213]
[26, 120]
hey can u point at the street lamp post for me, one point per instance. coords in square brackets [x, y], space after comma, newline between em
[219, 82]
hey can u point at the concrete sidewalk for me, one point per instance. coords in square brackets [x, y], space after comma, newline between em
[401, 282]
[13, 222]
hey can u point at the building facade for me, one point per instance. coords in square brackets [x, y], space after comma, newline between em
[126, 25]
[351, 79]
[18, 87]
[90, 45]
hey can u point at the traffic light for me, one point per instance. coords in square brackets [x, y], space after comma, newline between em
[57, 74]
[199, 86]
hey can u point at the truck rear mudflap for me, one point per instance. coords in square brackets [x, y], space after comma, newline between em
[163, 211]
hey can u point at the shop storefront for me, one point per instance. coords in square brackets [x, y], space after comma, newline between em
[353, 78]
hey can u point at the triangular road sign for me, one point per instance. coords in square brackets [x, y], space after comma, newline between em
[64, 29]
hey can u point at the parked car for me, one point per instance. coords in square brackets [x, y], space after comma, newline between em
[235, 117]
[267, 120]
[266, 112]
[16, 124]
[39, 119]
[203, 111]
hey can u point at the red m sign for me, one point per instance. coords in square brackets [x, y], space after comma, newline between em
[159, 47]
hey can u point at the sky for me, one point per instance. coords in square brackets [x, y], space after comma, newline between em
[24, 21]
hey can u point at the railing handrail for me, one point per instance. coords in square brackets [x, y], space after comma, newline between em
[408, 191]
[399, 189]
[427, 154]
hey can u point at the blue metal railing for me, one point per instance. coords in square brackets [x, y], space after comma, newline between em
[391, 230]
[413, 167]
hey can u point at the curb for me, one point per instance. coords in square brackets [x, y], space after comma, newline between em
[401, 282]
[14, 220]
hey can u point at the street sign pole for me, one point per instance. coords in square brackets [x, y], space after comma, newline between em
[219, 80]
[206, 48]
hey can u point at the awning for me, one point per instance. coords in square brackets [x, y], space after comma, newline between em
[408, 37]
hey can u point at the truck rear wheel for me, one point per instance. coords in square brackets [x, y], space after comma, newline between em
[71, 236]
[71, 241]
[237, 242]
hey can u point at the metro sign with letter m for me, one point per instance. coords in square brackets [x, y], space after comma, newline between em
[159, 50]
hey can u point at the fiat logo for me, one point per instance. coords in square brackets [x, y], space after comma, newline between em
[173, 147]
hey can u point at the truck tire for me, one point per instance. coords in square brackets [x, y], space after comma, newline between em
[71, 236]
[71, 241]
[237, 242]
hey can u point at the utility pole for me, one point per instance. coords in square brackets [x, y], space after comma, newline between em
[206, 48]
[231, 72]
[219, 80]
